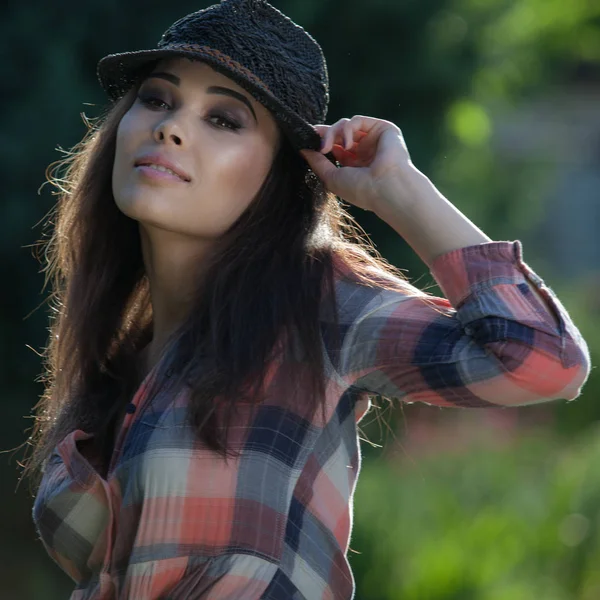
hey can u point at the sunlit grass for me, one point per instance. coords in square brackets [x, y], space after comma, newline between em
[512, 523]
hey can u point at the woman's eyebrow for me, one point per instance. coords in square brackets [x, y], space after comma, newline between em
[168, 76]
[215, 89]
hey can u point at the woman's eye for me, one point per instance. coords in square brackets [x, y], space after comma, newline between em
[151, 101]
[218, 120]
[228, 123]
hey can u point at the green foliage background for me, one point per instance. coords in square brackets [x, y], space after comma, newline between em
[493, 518]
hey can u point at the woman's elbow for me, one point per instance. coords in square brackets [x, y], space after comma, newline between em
[564, 378]
[537, 377]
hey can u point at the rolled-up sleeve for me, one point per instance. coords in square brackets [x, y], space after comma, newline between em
[72, 511]
[490, 342]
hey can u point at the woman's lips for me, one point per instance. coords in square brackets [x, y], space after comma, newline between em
[155, 174]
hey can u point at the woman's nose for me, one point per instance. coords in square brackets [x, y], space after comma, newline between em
[170, 131]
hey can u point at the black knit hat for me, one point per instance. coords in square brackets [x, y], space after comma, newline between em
[255, 45]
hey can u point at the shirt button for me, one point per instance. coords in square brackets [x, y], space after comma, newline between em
[130, 409]
[169, 372]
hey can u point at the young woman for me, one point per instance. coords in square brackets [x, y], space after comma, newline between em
[218, 328]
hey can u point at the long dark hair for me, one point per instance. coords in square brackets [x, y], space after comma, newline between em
[261, 293]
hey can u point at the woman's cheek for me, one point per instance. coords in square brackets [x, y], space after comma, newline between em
[251, 169]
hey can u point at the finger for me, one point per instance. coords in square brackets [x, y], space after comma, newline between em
[348, 133]
[353, 133]
[319, 163]
[345, 158]
[348, 178]
[340, 133]
[356, 144]
[322, 131]
[333, 136]
[370, 141]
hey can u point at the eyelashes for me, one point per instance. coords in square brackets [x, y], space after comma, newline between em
[151, 101]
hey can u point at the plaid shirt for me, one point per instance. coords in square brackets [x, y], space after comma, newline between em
[174, 521]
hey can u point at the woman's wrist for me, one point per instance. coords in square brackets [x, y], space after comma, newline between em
[429, 223]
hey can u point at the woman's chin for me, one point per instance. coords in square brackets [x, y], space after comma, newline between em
[144, 205]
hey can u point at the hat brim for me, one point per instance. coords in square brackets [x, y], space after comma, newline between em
[118, 72]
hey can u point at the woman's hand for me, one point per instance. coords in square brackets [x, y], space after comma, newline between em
[373, 156]
[377, 174]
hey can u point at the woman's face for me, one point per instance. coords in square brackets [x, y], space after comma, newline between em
[191, 116]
